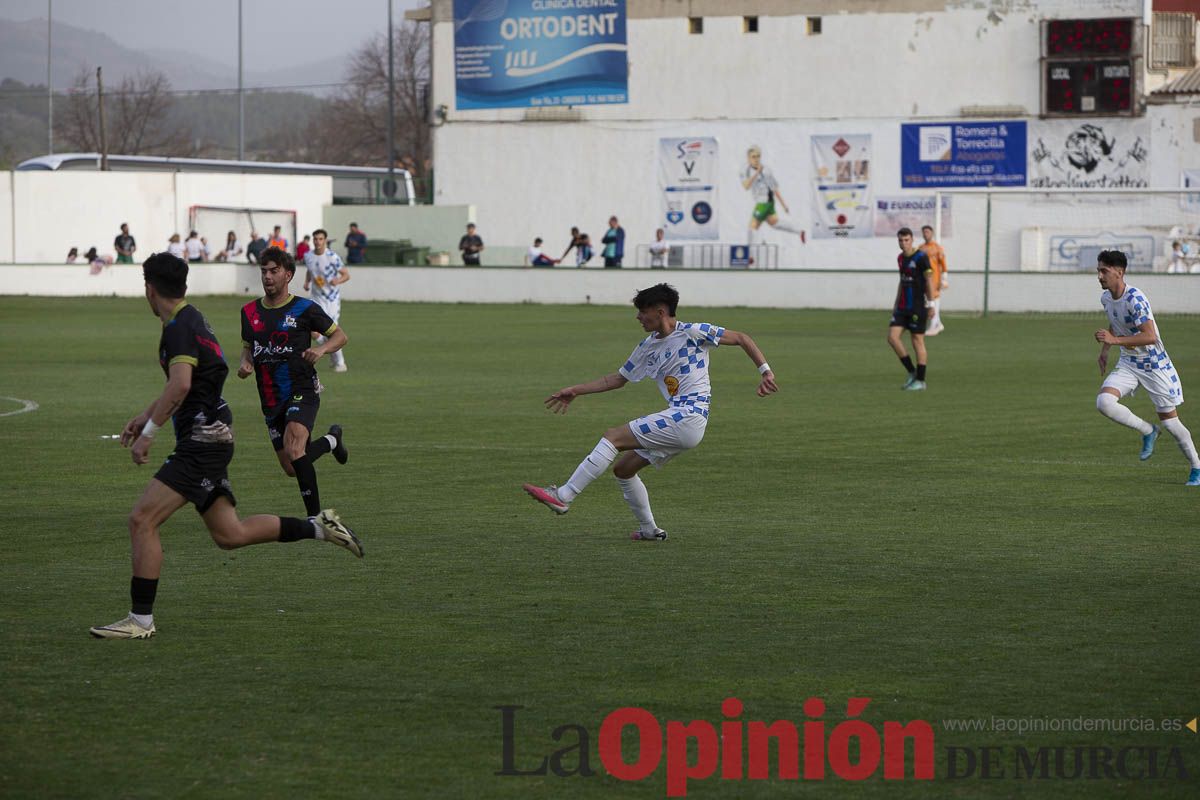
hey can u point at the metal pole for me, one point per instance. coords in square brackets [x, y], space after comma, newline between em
[241, 94]
[49, 59]
[391, 34]
[103, 135]
[987, 254]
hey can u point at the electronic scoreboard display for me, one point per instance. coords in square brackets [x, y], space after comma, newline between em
[1089, 66]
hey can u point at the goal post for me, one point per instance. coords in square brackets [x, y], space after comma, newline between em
[215, 222]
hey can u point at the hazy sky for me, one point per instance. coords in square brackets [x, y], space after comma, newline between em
[209, 27]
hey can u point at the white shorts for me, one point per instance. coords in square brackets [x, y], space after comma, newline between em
[666, 434]
[1162, 385]
[332, 309]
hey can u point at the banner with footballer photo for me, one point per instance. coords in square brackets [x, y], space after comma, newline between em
[842, 206]
[687, 184]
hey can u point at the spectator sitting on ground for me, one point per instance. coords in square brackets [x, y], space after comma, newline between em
[256, 246]
[72, 255]
[232, 248]
[175, 247]
[535, 256]
[97, 261]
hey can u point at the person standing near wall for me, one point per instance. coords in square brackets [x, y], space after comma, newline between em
[125, 245]
[911, 312]
[194, 248]
[255, 248]
[659, 250]
[176, 248]
[937, 260]
[614, 244]
[470, 245]
[356, 245]
[278, 239]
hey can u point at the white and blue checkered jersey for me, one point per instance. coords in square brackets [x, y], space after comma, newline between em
[323, 269]
[1125, 314]
[679, 363]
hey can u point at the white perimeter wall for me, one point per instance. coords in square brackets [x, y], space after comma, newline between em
[1008, 292]
[44, 214]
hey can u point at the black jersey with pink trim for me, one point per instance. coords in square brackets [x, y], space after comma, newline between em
[187, 338]
[277, 338]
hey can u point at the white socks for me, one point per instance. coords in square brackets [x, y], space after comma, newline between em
[332, 441]
[588, 470]
[634, 492]
[752, 236]
[145, 620]
[1184, 437]
[1107, 405]
[784, 225]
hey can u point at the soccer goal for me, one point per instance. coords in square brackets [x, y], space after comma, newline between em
[215, 222]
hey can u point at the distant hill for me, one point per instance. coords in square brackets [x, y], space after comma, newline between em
[23, 58]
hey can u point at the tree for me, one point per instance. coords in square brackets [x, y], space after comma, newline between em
[136, 116]
[353, 127]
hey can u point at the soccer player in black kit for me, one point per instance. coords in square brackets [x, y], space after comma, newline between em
[911, 311]
[277, 334]
[197, 471]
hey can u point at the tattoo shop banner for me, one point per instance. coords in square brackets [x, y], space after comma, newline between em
[526, 53]
[911, 211]
[962, 154]
[1102, 154]
[842, 186]
[687, 184]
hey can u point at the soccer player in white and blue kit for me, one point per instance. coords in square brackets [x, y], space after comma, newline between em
[675, 355]
[1144, 362]
[325, 272]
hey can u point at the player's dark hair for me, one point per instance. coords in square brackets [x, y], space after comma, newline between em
[927, 228]
[280, 256]
[904, 232]
[321, 231]
[167, 273]
[1113, 258]
[659, 294]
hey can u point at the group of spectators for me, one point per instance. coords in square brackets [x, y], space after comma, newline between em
[195, 249]
[612, 248]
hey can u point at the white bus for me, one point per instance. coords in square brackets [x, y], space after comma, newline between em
[351, 185]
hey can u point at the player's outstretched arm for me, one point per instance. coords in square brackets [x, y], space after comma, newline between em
[560, 400]
[767, 384]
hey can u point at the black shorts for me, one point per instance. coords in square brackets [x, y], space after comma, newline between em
[302, 408]
[199, 472]
[913, 320]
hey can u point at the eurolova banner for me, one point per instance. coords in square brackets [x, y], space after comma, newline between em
[972, 153]
[687, 184]
[529, 53]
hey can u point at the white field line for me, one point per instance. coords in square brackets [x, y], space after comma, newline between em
[27, 405]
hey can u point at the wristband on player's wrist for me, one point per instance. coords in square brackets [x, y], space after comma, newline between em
[764, 368]
[149, 429]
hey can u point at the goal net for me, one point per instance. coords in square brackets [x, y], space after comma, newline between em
[215, 222]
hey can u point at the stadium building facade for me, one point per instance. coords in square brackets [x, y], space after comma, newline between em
[852, 105]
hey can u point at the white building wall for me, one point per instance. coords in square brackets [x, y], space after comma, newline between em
[538, 172]
[54, 211]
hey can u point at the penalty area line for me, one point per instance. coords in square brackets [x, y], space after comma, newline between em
[26, 405]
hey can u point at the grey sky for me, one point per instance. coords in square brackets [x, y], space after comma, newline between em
[209, 28]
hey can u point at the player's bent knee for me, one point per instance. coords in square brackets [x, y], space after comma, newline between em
[1104, 401]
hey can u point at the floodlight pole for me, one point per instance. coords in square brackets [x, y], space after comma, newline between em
[49, 59]
[100, 107]
[241, 94]
[391, 107]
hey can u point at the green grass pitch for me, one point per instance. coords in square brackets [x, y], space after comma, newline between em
[989, 548]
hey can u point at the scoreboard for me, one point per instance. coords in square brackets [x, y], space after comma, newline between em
[1091, 67]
